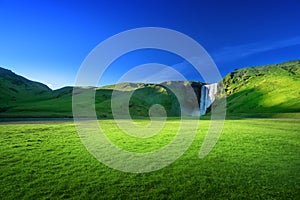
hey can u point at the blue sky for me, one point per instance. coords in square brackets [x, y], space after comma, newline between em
[47, 40]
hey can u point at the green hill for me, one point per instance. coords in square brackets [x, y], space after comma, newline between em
[16, 89]
[266, 89]
[21, 97]
[146, 95]
[253, 91]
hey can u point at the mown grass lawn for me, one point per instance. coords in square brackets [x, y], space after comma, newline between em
[253, 159]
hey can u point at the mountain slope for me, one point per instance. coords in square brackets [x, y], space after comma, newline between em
[13, 86]
[252, 91]
[266, 89]
[16, 89]
[25, 98]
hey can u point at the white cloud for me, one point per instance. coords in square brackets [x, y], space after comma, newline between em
[49, 85]
[234, 52]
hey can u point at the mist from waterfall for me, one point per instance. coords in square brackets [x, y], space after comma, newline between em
[207, 96]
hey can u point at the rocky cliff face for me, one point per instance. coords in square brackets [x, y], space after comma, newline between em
[195, 97]
[208, 93]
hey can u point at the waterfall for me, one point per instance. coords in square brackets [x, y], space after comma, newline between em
[207, 96]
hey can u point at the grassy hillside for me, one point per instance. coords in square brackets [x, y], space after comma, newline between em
[15, 89]
[253, 91]
[144, 96]
[21, 97]
[265, 89]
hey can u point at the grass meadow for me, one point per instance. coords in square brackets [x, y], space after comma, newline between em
[253, 159]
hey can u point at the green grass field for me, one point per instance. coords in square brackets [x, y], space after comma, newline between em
[253, 159]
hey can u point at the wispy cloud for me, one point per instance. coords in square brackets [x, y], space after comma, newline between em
[49, 85]
[151, 73]
[234, 52]
[202, 70]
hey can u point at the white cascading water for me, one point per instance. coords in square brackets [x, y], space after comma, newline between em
[207, 97]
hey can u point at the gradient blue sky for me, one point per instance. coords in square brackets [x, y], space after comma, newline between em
[47, 40]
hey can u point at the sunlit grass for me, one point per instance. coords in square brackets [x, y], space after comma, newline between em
[253, 159]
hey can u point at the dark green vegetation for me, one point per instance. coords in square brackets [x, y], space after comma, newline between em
[253, 159]
[264, 91]
[21, 97]
[144, 96]
[267, 91]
